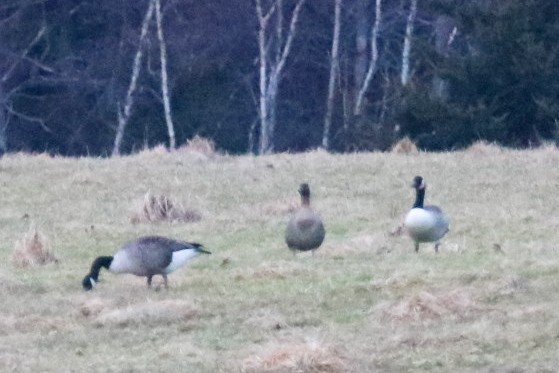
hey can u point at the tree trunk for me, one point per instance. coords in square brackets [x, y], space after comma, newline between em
[405, 74]
[124, 113]
[359, 101]
[164, 78]
[334, 63]
[3, 123]
[271, 71]
[263, 75]
[361, 37]
[444, 33]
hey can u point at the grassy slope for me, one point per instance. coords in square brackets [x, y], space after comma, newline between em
[364, 302]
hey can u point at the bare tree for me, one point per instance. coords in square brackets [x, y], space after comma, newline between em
[164, 79]
[364, 85]
[7, 94]
[125, 112]
[271, 66]
[334, 65]
[405, 73]
[445, 31]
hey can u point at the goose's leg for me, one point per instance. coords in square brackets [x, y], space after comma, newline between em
[165, 280]
[149, 280]
[417, 247]
[437, 247]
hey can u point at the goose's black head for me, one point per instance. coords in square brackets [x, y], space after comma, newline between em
[418, 183]
[87, 283]
[304, 190]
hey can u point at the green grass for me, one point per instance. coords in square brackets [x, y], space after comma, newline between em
[364, 302]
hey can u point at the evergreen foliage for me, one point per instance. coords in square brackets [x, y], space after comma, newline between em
[503, 79]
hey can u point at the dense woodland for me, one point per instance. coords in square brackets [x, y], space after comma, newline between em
[105, 77]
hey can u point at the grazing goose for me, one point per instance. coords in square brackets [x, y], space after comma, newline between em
[425, 223]
[145, 256]
[305, 230]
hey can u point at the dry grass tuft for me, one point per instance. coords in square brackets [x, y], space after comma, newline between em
[484, 148]
[93, 307]
[429, 306]
[156, 150]
[150, 313]
[404, 146]
[31, 324]
[32, 250]
[200, 145]
[157, 208]
[303, 357]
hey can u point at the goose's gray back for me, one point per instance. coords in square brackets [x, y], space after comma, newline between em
[148, 255]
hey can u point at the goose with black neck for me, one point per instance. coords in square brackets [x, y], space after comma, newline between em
[425, 223]
[146, 257]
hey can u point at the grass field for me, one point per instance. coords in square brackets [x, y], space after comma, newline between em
[488, 302]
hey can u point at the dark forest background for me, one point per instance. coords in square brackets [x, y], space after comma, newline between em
[478, 70]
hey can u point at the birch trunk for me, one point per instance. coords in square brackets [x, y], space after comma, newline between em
[334, 63]
[445, 30]
[263, 75]
[3, 122]
[405, 74]
[271, 71]
[164, 78]
[359, 102]
[124, 113]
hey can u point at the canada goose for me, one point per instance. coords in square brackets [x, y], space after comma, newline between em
[425, 223]
[305, 230]
[145, 256]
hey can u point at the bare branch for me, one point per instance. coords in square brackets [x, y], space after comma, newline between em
[28, 118]
[33, 42]
[263, 19]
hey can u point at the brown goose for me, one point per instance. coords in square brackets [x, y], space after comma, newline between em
[145, 256]
[305, 230]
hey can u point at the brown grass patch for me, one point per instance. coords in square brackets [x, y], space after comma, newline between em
[365, 243]
[30, 324]
[32, 250]
[302, 357]
[151, 313]
[157, 208]
[404, 146]
[265, 319]
[430, 306]
[265, 273]
[484, 148]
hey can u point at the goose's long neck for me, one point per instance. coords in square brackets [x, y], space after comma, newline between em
[102, 261]
[305, 201]
[419, 197]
